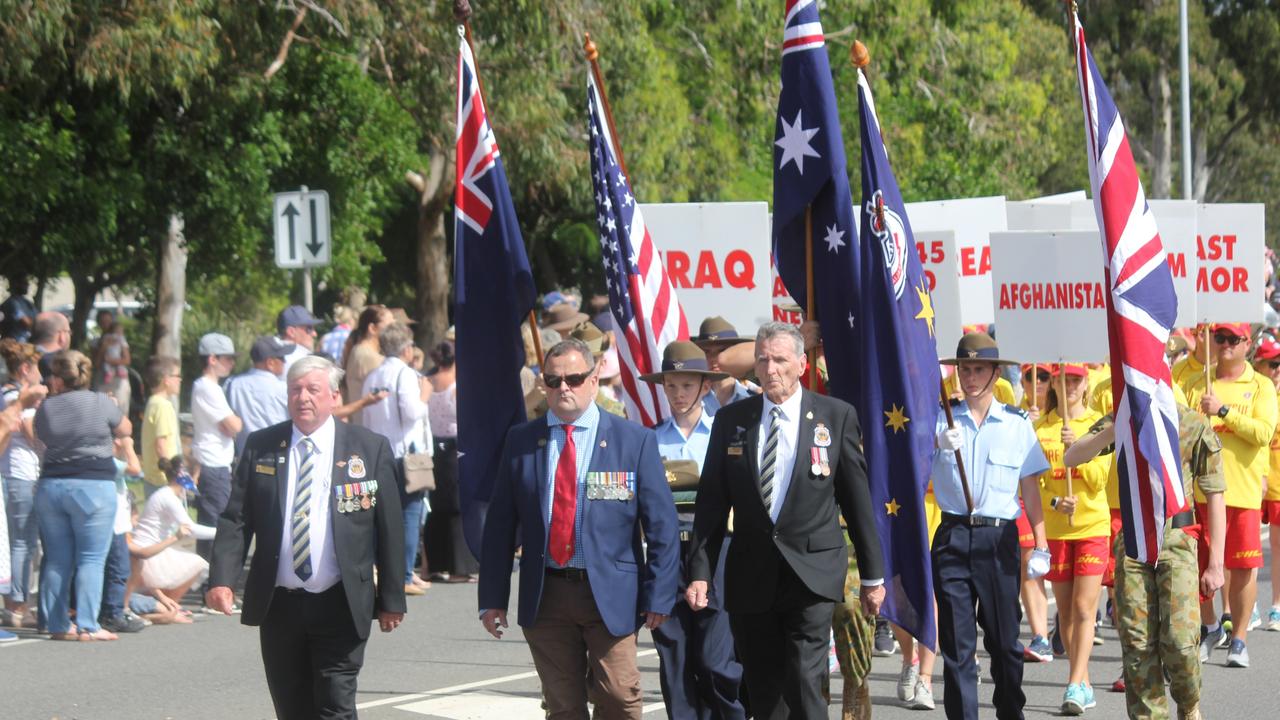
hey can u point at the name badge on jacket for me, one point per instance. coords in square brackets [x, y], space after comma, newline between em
[611, 486]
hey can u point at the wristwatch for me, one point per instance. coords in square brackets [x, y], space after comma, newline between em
[1053, 503]
[1222, 411]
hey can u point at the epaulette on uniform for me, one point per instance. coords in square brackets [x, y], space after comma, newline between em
[1015, 410]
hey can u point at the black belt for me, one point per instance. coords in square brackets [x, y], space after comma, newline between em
[1183, 519]
[975, 520]
[569, 573]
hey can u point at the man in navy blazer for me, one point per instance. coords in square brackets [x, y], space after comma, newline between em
[581, 486]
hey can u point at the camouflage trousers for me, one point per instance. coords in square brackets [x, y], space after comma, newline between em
[1158, 618]
[854, 634]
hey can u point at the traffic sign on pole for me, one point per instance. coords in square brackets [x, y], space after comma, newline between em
[301, 221]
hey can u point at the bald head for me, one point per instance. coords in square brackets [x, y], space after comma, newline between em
[52, 331]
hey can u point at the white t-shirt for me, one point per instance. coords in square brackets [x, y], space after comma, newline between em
[20, 459]
[208, 408]
[162, 515]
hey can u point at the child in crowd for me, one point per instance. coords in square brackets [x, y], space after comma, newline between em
[160, 568]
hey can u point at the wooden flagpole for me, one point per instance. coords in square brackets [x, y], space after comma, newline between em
[1064, 412]
[462, 14]
[593, 55]
[810, 305]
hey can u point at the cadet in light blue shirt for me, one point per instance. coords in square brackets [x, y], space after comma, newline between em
[700, 674]
[975, 554]
[716, 335]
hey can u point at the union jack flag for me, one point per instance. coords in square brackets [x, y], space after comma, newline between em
[493, 292]
[646, 313]
[1141, 307]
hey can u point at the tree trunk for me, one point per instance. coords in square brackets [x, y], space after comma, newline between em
[1162, 135]
[171, 291]
[1200, 171]
[86, 289]
[432, 306]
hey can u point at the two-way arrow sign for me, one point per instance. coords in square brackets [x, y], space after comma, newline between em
[301, 222]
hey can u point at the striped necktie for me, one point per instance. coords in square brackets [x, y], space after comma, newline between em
[301, 535]
[769, 460]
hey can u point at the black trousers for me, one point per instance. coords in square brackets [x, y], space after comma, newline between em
[312, 655]
[447, 550]
[784, 651]
[978, 566]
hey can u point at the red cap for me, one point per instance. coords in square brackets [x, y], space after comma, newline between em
[1267, 350]
[1038, 366]
[1237, 329]
[1077, 369]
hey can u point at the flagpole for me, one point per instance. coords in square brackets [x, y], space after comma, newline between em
[1064, 412]
[462, 14]
[593, 55]
[811, 307]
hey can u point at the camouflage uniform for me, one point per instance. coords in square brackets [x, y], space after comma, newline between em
[854, 635]
[1157, 608]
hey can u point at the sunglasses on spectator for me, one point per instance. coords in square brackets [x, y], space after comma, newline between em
[1275, 364]
[1042, 376]
[1232, 340]
[575, 380]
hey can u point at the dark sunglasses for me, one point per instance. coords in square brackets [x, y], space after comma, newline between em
[1232, 340]
[575, 380]
[1275, 364]
[1042, 376]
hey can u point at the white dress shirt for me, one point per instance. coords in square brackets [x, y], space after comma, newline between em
[788, 436]
[324, 562]
[396, 417]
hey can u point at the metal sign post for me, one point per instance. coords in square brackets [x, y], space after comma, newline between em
[302, 238]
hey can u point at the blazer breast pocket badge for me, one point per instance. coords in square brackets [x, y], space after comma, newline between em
[820, 461]
[611, 486]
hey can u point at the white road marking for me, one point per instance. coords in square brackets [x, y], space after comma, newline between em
[16, 643]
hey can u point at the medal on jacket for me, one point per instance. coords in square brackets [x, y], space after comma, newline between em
[816, 460]
[355, 467]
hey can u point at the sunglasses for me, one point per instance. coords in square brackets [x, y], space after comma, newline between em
[1042, 376]
[1232, 340]
[575, 380]
[1275, 364]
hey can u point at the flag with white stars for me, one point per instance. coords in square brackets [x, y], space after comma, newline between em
[646, 314]
[899, 382]
[809, 171]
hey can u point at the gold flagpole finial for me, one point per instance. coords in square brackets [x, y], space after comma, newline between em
[859, 55]
[590, 47]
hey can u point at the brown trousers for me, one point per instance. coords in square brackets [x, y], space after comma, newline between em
[576, 657]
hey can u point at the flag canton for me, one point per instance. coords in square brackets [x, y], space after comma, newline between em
[477, 151]
[615, 210]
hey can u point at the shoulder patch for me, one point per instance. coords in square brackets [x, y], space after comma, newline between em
[1015, 410]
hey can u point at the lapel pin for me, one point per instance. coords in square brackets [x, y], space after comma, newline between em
[342, 463]
[284, 443]
[604, 443]
[542, 442]
[808, 415]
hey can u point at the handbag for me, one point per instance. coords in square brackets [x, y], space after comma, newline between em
[419, 467]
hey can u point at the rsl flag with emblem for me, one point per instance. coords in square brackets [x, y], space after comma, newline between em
[899, 382]
[493, 293]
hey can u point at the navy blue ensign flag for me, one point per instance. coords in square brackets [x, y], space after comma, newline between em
[493, 293]
[899, 380]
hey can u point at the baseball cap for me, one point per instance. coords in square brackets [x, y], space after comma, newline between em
[1268, 349]
[1077, 369]
[1237, 329]
[269, 346]
[294, 316]
[1026, 367]
[215, 344]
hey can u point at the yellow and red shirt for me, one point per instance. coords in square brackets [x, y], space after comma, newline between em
[1092, 517]
[1187, 371]
[1273, 476]
[1246, 433]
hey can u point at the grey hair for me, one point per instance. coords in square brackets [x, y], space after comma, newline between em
[312, 363]
[772, 330]
[564, 347]
[394, 339]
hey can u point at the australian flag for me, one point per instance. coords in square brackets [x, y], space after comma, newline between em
[493, 293]
[900, 382]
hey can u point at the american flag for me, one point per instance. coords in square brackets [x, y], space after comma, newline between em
[646, 313]
[1141, 307]
[493, 292]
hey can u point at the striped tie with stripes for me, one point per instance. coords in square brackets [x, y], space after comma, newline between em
[769, 460]
[301, 535]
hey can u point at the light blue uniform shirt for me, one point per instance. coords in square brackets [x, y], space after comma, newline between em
[584, 442]
[996, 456]
[711, 404]
[673, 445]
[259, 398]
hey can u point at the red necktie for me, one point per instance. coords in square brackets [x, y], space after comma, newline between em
[565, 504]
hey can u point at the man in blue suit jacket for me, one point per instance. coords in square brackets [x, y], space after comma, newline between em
[581, 486]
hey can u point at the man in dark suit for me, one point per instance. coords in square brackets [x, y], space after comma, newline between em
[321, 498]
[788, 464]
[581, 486]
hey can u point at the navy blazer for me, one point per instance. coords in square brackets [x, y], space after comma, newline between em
[623, 580]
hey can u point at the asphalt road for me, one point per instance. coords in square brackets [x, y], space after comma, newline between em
[440, 663]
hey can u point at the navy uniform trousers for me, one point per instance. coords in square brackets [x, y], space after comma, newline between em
[978, 565]
[700, 675]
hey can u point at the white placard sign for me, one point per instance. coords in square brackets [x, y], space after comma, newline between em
[1231, 244]
[717, 257]
[972, 220]
[1047, 289]
[937, 252]
[1176, 221]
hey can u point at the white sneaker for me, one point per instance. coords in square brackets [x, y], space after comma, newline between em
[908, 681]
[923, 697]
